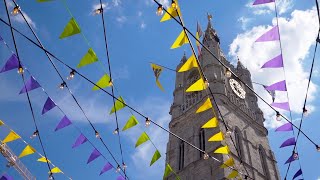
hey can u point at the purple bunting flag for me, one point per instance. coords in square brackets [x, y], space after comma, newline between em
[120, 178]
[271, 35]
[272, 93]
[63, 123]
[285, 127]
[278, 86]
[106, 168]
[80, 140]
[276, 62]
[298, 173]
[30, 85]
[291, 158]
[94, 155]
[12, 63]
[262, 2]
[283, 105]
[48, 105]
[288, 142]
[6, 177]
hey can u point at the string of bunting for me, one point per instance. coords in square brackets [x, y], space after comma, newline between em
[28, 150]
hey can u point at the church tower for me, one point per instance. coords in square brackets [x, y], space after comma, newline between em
[239, 108]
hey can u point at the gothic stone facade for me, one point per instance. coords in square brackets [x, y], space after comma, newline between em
[242, 116]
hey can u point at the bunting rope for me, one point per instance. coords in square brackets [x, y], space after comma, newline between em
[23, 79]
[42, 158]
[234, 75]
[64, 82]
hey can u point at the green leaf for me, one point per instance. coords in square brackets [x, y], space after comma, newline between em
[155, 157]
[71, 28]
[89, 58]
[130, 123]
[103, 82]
[142, 139]
[167, 171]
[118, 105]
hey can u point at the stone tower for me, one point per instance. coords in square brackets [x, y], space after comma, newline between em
[240, 111]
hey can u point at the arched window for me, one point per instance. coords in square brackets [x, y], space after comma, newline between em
[202, 141]
[181, 155]
[239, 143]
[263, 159]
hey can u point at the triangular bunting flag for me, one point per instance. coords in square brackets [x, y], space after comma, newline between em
[291, 158]
[94, 155]
[276, 62]
[233, 174]
[30, 85]
[155, 157]
[63, 123]
[197, 86]
[6, 177]
[12, 63]
[228, 163]
[256, 2]
[181, 40]
[120, 177]
[278, 86]
[217, 137]
[88, 58]
[212, 123]
[288, 142]
[119, 104]
[71, 28]
[285, 127]
[222, 150]
[271, 35]
[171, 11]
[43, 159]
[106, 168]
[283, 105]
[157, 71]
[142, 139]
[298, 173]
[48, 105]
[55, 170]
[272, 93]
[80, 140]
[130, 123]
[11, 137]
[103, 82]
[27, 151]
[1, 123]
[189, 64]
[167, 171]
[205, 106]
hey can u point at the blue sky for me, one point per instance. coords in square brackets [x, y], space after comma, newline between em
[135, 38]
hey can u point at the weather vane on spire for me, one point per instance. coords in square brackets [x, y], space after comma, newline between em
[209, 16]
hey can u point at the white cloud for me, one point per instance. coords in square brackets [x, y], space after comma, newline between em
[296, 49]
[143, 25]
[139, 13]
[165, 3]
[244, 22]
[121, 19]
[116, 3]
[282, 6]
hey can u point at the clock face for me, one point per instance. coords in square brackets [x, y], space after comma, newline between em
[237, 88]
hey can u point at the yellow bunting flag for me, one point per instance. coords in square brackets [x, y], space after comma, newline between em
[157, 71]
[142, 139]
[228, 163]
[118, 105]
[71, 28]
[233, 174]
[11, 137]
[27, 151]
[222, 150]
[205, 106]
[181, 40]
[43, 159]
[103, 82]
[167, 171]
[212, 123]
[130, 123]
[197, 86]
[55, 170]
[171, 11]
[217, 137]
[189, 64]
[89, 58]
[1, 123]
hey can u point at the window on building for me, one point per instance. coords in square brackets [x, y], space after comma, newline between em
[202, 141]
[181, 155]
[263, 159]
[239, 143]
